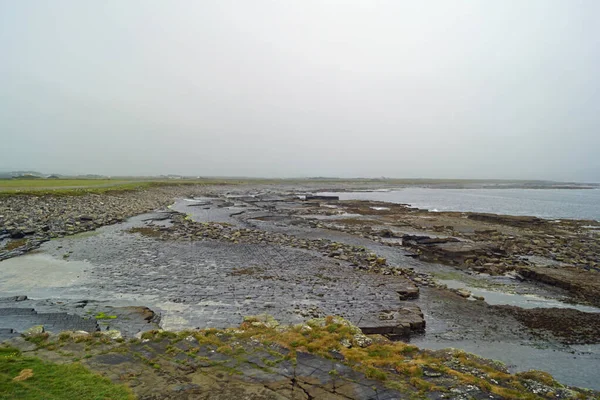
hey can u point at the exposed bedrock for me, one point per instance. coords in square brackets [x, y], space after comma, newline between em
[581, 284]
[567, 325]
[511, 220]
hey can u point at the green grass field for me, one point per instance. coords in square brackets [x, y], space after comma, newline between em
[50, 183]
[53, 381]
[70, 187]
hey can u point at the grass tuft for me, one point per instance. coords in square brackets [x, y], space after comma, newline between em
[15, 244]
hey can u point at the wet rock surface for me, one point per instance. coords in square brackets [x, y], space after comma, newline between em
[18, 314]
[582, 284]
[206, 282]
[21, 320]
[567, 325]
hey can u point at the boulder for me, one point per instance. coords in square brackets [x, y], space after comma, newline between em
[113, 334]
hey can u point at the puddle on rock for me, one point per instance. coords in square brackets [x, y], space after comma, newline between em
[40, 274]
[493, 297]
[207, 209]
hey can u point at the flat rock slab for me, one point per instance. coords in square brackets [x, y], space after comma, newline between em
[18, 320]
[400, 322]
[18, 314]
[311, 377]
[406, 290]
[581, 284]
[511, 220]
[451, 251]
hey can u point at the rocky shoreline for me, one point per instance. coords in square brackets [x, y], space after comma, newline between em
[26, 221]
[562, 253]
[369, 234]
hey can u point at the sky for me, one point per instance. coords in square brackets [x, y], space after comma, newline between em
[406, 89]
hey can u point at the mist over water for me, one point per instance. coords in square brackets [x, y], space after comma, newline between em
[544, 203]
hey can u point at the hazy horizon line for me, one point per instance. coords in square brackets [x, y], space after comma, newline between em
[292, 177]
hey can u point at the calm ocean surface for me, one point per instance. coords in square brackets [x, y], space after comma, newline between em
[545, 203]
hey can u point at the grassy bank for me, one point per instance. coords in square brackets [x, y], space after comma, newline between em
[27, 378]
[260, 347]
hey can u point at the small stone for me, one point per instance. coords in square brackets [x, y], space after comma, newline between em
[362, 340]
[432, 374]
[113, 334]
[34, 330]
[191, 339]
[262, 320]
[185, 387]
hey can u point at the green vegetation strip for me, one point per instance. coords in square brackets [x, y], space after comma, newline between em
[416, 372]
[102, 315]
[37, 379]
[397, 365]
[53, 183]
[74, 187]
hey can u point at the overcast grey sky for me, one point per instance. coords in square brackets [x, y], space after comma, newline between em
[448, 89]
